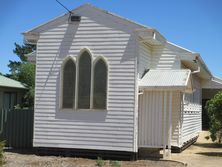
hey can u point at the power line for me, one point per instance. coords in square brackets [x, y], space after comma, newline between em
[64, 7]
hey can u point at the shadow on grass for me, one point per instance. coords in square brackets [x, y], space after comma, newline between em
[213, 154]
[208, 145]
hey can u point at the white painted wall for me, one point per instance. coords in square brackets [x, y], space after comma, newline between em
[185, 123]
[145, 59]
[151, 119]
[176, 119]
[106, 36]
[115, 129]
[165, 58]
[192, 112]
[157, 57]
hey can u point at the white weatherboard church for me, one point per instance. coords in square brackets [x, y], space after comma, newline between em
[106, 83]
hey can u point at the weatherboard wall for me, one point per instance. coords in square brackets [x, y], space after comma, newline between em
[145, 59]
[192, 112]
[165, 58]
[152, 121]
[157, 57]
[104, 35]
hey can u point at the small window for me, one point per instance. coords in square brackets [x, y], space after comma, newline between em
[100, 85]
[84, 86]
[69, 80]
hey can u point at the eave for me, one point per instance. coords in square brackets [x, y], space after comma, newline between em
[31, 37]
[193, 61]
[150, 37]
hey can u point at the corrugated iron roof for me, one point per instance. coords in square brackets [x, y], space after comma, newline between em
[7, 82]
[167, 79]
[214, 83]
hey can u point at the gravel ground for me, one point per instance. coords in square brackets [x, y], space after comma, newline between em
[31, 160]
[204, 153]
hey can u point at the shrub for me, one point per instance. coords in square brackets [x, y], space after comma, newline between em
[2, 158]
[214, 109]
[100, 162]
[114, 163]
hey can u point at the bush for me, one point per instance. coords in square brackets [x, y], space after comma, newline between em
[100, 162]
[114, 163]
[2, 158]
[214, 109]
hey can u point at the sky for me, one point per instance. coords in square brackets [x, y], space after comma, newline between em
[192, 24]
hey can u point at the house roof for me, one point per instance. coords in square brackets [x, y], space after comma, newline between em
[35, 29]
[214, 83]
[167, 80]
[32, 36]
[7, 82]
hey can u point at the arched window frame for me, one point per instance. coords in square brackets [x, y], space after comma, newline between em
[107, 79]
[61, 82]
[85, 49]
[76, 62]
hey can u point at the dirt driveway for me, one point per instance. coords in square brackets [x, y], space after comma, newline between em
[203, 153]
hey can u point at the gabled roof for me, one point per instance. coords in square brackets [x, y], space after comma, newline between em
[32, 36]
[167, 80]
[7, 82]
[91, 6]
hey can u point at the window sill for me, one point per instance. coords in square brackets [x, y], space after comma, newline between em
[82, 110]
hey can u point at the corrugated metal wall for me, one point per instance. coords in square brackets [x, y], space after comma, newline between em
[151, 118]
[16, 128]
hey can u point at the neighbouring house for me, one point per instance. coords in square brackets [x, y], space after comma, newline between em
[106, 83]
[11, 93]
[209, 90]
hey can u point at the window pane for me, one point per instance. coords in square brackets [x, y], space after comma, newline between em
[69, 79]
[84, 81]
[100, 85]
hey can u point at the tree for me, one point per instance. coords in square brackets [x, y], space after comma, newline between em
[13, 68]
[24, 71]
[214, 108]
[22, 50]
[26, 75]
